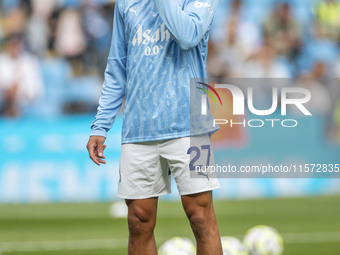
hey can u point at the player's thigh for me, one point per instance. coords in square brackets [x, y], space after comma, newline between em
[143, 173]
[142, 210]
[199, 203]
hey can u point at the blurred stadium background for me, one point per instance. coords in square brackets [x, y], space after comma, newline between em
[53, 200]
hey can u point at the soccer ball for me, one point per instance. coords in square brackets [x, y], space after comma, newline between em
[177, 246]
[263, 240]
[118, 210]
[232, 246]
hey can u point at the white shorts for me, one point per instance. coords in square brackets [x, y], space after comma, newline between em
[146, 167]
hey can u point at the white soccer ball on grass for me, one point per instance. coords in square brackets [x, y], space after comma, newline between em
[263, 240]
[232, 246]
[177, 246]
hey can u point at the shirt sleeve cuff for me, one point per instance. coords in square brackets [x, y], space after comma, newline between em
[98, 133]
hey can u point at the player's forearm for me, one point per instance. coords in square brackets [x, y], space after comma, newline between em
[188, 28]
[112, 97]
[180, 24]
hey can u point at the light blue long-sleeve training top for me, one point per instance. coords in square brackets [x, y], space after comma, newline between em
[157, 47]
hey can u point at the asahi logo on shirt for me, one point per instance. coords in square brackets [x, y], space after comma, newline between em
[146, 37]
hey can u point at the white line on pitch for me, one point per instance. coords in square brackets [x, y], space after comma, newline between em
[97, 244]
[94, 244]
[312, 237]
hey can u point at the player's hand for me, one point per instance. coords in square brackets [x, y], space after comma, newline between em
[96, 148]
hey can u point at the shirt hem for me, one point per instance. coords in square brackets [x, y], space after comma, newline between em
[167, 136]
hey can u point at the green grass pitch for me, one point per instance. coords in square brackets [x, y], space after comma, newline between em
[308, 225]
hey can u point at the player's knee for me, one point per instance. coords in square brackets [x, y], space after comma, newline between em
[198, 211]
[140, 223]
[199, 221]
[200, 217]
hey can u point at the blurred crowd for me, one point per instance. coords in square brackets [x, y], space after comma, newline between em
[53, 52]
[292, 39]
[46, 47]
